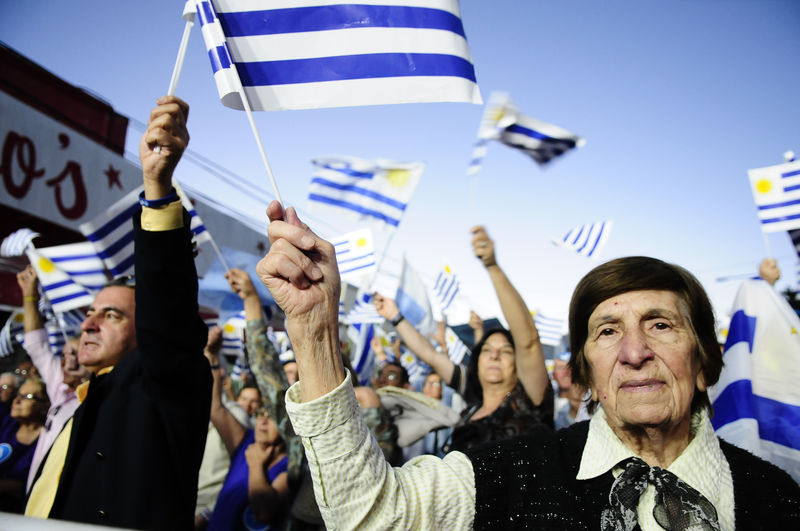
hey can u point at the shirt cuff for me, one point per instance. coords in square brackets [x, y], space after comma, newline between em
[323, 414]
[168, 217]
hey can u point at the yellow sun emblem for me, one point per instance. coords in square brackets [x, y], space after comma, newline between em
[229, 328]
[361, 242]
[447, 269]
[398, 178]
[46, 266]
[764, 186]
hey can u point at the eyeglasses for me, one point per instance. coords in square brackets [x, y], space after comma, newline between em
[261, 413]
[22, 372]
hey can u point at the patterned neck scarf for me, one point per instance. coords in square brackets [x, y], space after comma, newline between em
[678, 506]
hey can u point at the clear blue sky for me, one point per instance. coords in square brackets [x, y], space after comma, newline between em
[677, 100]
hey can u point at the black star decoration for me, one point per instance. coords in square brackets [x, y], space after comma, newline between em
[113, 177]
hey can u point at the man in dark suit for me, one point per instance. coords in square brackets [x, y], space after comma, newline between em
[131, 454]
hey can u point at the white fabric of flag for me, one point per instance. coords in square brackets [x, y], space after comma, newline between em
[776, 191]
[757, 400]
[361, 355]
[62, 291]
[445, 288]
[497, 115]
[551, 329]
[15, 243]
[456, 349]
[79, 261]
[301, 54]
[13, 332]
[412, 300]
[795, 235]
[587, 240]
[355, 255]
[416, 369]
[377, 191]
[111, 233]
[63, 324]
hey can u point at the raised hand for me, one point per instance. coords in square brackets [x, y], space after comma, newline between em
[166, 130]
[483, 246]
[385, 306]
[27, 281]
[240, 283]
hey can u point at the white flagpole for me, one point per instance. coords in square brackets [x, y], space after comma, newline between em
[189, 11]
[380, 261]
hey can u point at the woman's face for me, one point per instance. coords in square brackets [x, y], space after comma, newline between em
[30, 402]
[433, 386]
[642, 355]
[266, 431]
[496, 361]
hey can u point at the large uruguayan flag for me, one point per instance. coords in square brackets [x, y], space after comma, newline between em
[373, 190]
[302, 54]
[412, 300]
[587, 240]
[776, 191]
[757, 399]
[551, 329]
[445, 288]
[111, 233]
[355, 255]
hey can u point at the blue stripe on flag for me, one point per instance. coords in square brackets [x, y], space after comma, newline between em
[355, 208]
[413, 312]
[790, 174]
[782, 218]
[596, 240]
[778, 422]
[741, 328]
[113, 223]
[115, 247]
[779, 205]
[58, 259]
[224, 58]
[69, 297]
[577, 237]
[791, 188]
[371, 264]
[346, 260]
[56, 285]
[336, 17]
[363, 66]
[123, 266]
[206, 13]
[361, 191]
[347, 171]
[516, 128]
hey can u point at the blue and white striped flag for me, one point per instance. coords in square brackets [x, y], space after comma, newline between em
[551, 329]
[15, 243]
[757, 400]
[63, 324]
[795, 235]
[13, 332]
[445, 288]
[300, 54]
[355, 255]
[456, 348]
[587, 240]
[412, 300]
[776, 191]
[373, 190]
[361, 356]
[200, 233]
[111, 233]
[541, 140]
[233, 336]
[498, 115]
[64, 288]
[417, 370]
[363, 311]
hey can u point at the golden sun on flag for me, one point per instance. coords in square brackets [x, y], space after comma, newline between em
[764, 186]
[398, 178]
[46, 265]
[229, 328]
[361, 242]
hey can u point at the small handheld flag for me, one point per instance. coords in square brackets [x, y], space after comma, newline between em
[111, 233]
[587, 240]
[15, 243]
[445, 288]
[776, 191]
[355, 255]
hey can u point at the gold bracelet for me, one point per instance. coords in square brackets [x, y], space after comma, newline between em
[27, 298]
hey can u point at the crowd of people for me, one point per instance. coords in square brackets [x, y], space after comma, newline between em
[142, 423]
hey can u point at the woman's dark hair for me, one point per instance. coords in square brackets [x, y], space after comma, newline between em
[637, 273]
[473, 393]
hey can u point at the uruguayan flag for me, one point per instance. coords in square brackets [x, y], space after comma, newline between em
[445, 288]
[551, 329]
[374, 190]
[757, 399]
[363, 311]
[361, 356]
[776, 191]
[15, 243]
[412, 300]
[456, 348]
[62, 326]
[79, 261]
[300, 54]
[13, 332]
[63, 290]
[541, 140]
[111, 233]
[587, 240]
[355, 255]
[199, 231]
[795, 235]
[233, 336]
[416, 369]
[498, 115]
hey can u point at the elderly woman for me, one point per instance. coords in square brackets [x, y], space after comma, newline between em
[643, 342]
